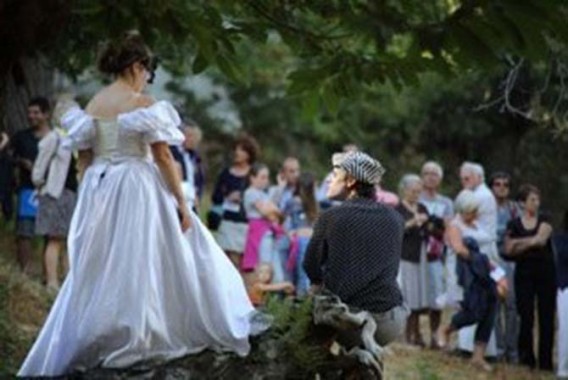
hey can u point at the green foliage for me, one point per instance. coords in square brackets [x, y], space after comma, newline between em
[337, 46]
[291, 329]
[426, 371]
[9, 339]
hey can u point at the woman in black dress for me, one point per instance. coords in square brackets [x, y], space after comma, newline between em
[528, 244]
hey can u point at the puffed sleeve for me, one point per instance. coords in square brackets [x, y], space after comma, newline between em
[157, 123]
[80, 129]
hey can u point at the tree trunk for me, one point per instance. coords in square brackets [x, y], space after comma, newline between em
[28, 77]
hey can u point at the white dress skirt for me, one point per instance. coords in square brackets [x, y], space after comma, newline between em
[138, 289]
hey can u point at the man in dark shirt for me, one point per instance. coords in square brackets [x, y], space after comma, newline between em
[356, 246]
[24, 146]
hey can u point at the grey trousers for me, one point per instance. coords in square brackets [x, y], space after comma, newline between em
[507, 321]
[390, 326]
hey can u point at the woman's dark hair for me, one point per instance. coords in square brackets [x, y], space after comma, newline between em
[117, 56]
[365, 190]
[305, 190]
[526, 190]
[249, 145]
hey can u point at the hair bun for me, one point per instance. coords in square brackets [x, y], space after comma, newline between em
[117, 55]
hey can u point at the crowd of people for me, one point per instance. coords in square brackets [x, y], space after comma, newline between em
[488, 256]
[504, 243]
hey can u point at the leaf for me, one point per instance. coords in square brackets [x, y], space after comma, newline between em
[229, 69]
[330, 98]
[200, 63]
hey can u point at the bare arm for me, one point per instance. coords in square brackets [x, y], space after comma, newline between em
[517, 246]
[287, 287]
[266, 208]
[455, 241]
[165, 162]
[85, 160]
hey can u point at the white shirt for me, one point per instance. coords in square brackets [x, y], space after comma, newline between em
[188, 185]
[487, 217]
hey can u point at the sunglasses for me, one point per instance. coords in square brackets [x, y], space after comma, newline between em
[500, 184]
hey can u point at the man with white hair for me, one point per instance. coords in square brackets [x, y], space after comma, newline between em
[472, 177]
[441, 207]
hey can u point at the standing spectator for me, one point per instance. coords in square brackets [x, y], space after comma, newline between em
[263, 224]
[507, 324]
[560, 247]
[528, 243]
[55, 178]
[6, 178]
[355, 249]
[287, 181]
[441, 207]
[301, 212]
[413, 265]
[188, 157]
[228, 195]
[472, 177]
[24, 150]
[477, 306]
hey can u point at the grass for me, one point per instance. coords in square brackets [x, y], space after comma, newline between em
[24, 305]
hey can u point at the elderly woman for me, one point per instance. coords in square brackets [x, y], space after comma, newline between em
[413, 265]
[480, 310]
[528, 243]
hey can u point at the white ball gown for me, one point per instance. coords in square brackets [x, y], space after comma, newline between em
[138, 289]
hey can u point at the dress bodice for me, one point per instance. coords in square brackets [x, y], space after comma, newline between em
[127, 136]
[111, 142]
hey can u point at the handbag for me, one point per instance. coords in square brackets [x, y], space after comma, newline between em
[27, 203]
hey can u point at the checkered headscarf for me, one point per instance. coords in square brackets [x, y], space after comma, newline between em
[362, 167]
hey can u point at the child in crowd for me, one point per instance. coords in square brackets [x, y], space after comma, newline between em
[263, 284]
[301, 212]
[264, 224]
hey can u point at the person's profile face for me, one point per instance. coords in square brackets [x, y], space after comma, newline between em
[467, 179]
[337, 185]
[36, 117]
[191, 138]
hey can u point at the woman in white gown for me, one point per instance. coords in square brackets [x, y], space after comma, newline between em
[147, 282]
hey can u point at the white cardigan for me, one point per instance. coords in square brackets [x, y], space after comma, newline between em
[52, 155]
